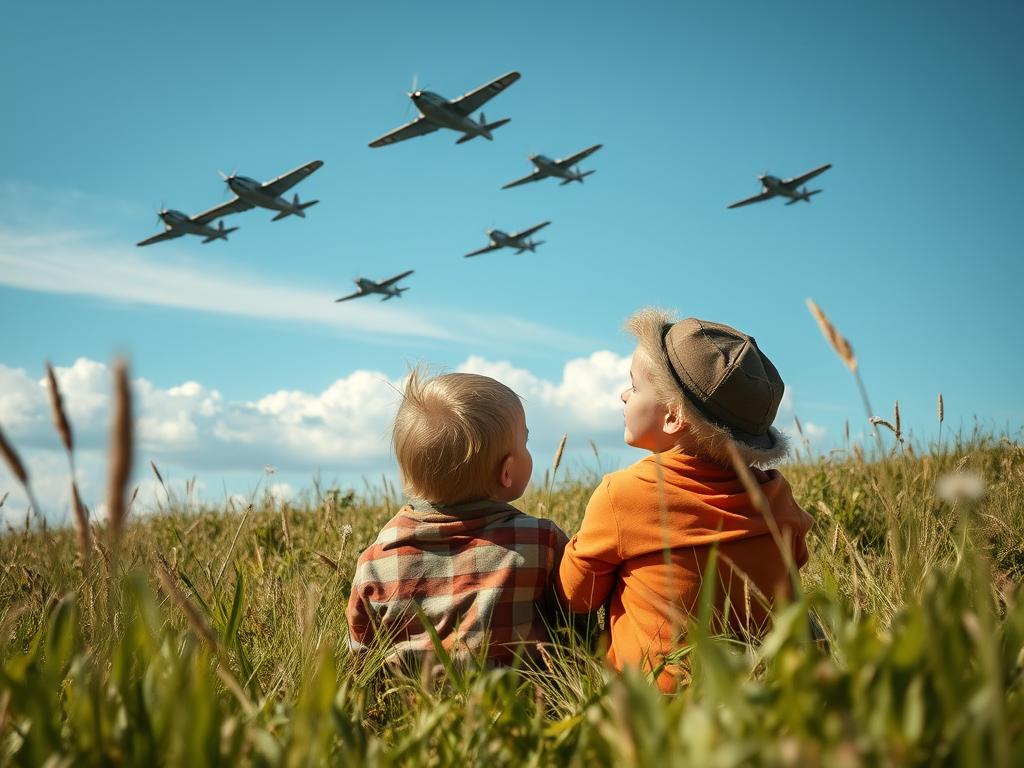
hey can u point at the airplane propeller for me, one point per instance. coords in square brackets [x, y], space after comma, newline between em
[409, 94]
[227, 180]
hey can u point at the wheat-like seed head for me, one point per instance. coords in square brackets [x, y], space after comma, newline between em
[120, 449]
[942, 412]
[13, 460]
[558, 454]
[839, 343]
[60, 419]
[896, 420]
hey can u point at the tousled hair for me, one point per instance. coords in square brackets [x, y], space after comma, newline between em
[451, 433]
[711, 440]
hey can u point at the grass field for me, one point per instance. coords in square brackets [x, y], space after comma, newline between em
[201, 636]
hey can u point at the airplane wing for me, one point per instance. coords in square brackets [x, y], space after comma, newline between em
[535, 176]
[170, 234]
[395, 279]
[570, 161]
[473, 100]
[530, 231]
[224, 209]
[418, 127]
[355, 295]
[754, 199]
[798, 180]
[283, 183]
[488, 249]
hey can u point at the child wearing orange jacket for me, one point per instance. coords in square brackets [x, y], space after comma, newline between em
[643, 545]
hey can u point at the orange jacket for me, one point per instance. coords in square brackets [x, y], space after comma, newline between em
[644, 543]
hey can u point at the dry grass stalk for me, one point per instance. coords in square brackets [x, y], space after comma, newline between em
[839, 343]
[878, 421]
[192, 615]
[159, 477]
[284, 526]
[558, 455]
[60, 418]
[13, 460]
[762, 505]
[896, 421]
[845, 351]
[330, 561]
[202, 628]
[120, 450]
[18, 470]
[81, 523]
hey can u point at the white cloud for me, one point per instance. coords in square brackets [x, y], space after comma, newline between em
[191, 428]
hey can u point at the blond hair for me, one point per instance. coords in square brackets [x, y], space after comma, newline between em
[710, 440]
[451, 433]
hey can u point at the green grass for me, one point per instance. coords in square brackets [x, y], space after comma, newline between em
[102, 663]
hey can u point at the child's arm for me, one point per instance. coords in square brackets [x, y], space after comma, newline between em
[587, 572]
[360, 625]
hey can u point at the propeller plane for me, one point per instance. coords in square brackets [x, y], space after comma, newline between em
[177, 224]
[438, 112]
[519, 240]
[388, 288]
[250, 193]
[563, 168]
[772, 186]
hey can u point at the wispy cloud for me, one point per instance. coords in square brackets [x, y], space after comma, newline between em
[78, 262]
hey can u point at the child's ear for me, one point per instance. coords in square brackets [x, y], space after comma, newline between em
[505, 471]
[675, 425]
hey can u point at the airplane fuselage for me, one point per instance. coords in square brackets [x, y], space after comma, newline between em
[776, 186]
[549, 167]
[439, 111]
[251, 191]
[507, 241]
[368, 286]
[180, 222]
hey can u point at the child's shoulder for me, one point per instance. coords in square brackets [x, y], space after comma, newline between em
[547, 529]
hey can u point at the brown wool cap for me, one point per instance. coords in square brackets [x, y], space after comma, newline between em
[726, 377]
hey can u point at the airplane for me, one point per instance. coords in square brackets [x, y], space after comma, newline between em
[251, 194]
[519, 240]
[386, 287]
[562, 168]
[177, 224]
[437, 112]
[773, 185]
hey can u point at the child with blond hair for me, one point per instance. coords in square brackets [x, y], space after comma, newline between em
[458, 555]
[696, 387]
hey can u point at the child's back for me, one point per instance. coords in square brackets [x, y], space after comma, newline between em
[645, 542]
[459, 557]
[699, 393]
[480, 573]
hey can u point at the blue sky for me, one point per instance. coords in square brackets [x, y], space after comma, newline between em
[913, 249]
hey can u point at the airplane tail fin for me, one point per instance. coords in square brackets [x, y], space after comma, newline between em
[297, 209]
[397, 294]
[577, 177]
[487, 128]
[222, 233]
[804, 195]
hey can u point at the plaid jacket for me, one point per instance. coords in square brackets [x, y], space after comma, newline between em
[481, 573]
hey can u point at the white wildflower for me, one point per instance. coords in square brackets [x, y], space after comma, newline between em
[961, 487]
